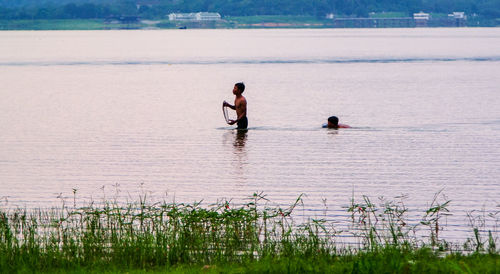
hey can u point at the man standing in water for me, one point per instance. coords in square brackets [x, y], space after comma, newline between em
[240, 105]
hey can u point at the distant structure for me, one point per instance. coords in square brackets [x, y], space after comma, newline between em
[199, 16]
[455, 19]
[458, 18]
[421, 19]
[458, 15]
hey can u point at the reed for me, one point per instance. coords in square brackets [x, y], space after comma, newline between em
[184, 237]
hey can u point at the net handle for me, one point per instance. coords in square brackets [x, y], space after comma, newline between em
[224, 111]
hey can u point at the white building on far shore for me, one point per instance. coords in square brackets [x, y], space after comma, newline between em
[421, 19]
[421, 16]
[198, 16]
[457, 15]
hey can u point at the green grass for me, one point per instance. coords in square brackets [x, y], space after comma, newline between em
[60, 24]
[386, 260]
[272, 19]
[281, 21]
[249, 238]
[51, 24]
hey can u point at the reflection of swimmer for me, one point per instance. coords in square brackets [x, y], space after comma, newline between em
[240, 105]
[333, 122]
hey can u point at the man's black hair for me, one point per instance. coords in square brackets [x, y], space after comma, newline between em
[334, 120]
[241, 86]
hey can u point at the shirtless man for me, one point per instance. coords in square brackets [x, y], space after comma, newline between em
[240, 105]
[333, 122]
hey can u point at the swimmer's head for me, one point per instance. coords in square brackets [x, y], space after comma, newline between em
[333, 121]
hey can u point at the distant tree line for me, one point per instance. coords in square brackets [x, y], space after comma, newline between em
[86, 9]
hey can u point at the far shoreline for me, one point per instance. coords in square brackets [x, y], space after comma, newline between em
[246, 22]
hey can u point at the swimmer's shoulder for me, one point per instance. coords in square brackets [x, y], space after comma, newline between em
[340, 126]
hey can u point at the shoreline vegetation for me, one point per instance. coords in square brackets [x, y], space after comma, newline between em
[254, 237]
[229, 22]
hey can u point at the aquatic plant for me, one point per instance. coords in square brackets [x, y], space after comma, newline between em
[143, 235]
[478, 221]
[433, 216]
[381, 225]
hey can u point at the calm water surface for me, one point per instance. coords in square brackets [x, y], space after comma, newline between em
[117, 114]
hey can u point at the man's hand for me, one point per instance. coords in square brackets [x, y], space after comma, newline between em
[225, 103]
[231, 122]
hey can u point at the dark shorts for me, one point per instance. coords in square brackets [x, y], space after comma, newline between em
[243, 123]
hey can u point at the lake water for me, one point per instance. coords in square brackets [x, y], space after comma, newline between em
[117, 114]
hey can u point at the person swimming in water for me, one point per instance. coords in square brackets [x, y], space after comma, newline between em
[333, 122]
[240, 105]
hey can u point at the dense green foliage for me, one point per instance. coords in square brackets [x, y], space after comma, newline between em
[53, 24]
[251, 238]
[65, 9]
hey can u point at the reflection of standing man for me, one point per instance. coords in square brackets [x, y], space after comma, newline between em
[240, 105]
[240, 139]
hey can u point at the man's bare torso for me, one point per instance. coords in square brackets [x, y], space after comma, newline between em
[240, 104]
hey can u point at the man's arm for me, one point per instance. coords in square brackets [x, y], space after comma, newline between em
[229, 105]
